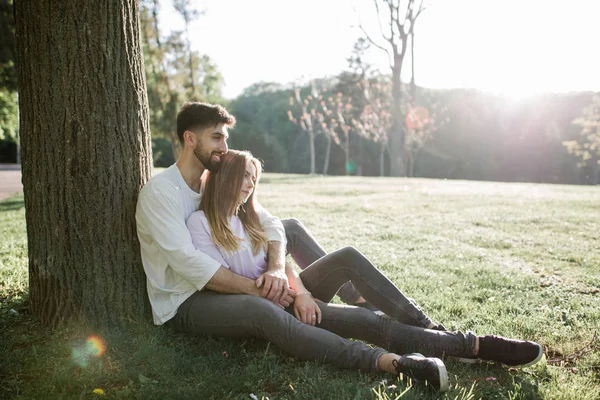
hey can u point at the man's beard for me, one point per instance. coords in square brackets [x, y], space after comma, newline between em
[205, 159]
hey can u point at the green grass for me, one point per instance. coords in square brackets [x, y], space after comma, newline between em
[519, 260]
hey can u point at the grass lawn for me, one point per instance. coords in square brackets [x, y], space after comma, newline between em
[519, 260]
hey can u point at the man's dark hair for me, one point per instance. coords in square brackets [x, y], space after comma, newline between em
[194, 115]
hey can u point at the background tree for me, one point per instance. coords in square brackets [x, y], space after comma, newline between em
[332, 118]
[175, 73]
[86, 154]
[189, 14]
[8, 84]
[375, 121]
[263, 127]
[399, 18]
[307, 118]
[163, 97]
[587, 147]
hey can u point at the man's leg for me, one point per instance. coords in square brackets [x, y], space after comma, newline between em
[230, 315]
[305, 250]
[325, 276]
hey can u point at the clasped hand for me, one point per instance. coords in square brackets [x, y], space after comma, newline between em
[275, 288]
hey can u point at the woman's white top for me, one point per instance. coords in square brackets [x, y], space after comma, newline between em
[240, 261]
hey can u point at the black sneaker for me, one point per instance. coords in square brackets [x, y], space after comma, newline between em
[515, 353]
[430, 370]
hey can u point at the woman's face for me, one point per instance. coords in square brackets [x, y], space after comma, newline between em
[249, 182]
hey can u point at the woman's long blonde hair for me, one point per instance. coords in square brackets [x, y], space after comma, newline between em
[220, 202]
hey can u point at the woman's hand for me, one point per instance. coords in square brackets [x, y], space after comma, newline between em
[306, 309]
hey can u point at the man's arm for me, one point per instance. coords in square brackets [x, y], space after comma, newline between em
[225, 281]
[274, 282]
[158, 215]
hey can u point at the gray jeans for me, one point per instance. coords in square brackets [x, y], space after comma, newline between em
[211, 313]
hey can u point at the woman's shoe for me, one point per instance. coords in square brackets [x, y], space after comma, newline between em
[512, 352]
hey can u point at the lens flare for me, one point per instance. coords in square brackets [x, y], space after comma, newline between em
[96, 346]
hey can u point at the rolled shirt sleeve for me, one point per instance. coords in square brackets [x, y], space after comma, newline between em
[271, 225]
[158, 217]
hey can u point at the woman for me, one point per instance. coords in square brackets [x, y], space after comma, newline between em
[226, 227]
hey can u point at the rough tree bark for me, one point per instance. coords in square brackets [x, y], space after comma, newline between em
[86, 153]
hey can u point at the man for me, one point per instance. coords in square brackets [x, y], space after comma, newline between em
[174, 269]
[191, 292]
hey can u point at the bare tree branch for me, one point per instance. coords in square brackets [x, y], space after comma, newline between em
[422, 8]
[379, 21]
[375, 44]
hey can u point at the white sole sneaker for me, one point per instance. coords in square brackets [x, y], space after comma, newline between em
[443, 375]
[537, 359]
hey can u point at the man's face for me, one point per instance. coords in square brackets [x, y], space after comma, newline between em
[211, 143]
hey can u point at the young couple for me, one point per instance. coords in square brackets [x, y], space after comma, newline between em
[215, 265]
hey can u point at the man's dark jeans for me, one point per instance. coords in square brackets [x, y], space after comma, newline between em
[211, 313]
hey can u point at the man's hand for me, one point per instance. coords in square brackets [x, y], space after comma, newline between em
[287, 299]
[306, 309]
[274, 285]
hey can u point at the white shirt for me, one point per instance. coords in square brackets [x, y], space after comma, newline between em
[242, 261]
[174, 268]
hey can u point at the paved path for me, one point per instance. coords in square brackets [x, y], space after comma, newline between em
[10, 180]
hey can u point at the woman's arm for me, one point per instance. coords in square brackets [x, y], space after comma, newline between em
[305, 307]
[224, 280]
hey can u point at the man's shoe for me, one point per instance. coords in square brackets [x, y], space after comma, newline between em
[515, 353]
[430, 370]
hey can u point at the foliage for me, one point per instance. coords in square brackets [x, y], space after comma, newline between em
[587, 147]
[174, 72]
[262, 127]
[8, 74]
[8, 116]
[465, 252]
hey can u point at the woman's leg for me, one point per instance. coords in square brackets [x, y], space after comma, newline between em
[305, 250]
[396, 337]
[324, 277]
[231, 315]
[357, 323]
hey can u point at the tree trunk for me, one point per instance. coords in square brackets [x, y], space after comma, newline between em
[311, 140]
[411, 164]
[413, 85]
[595, 176]
[327, 154]
[347, 154]
[397, 137]
[86, 154]
[382, 159]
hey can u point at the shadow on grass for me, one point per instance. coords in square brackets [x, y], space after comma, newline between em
[13, 203]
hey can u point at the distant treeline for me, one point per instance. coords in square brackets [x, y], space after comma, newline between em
[485, 136]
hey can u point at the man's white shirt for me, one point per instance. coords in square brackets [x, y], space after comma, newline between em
[174, 268]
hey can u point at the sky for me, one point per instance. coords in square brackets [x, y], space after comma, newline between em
[513, 47]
